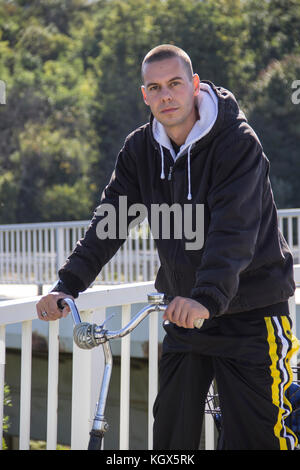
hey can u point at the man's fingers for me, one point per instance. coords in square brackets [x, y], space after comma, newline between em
[170, 311]
[185, 313]
[177, 312]
[66, 310]
[41, 310]
[182, 318]
[48, 310]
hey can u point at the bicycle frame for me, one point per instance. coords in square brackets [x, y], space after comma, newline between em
[88, 336]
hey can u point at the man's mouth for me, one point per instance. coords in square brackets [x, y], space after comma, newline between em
[168, 110]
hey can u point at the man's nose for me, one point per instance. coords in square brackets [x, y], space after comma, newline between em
[166, 95]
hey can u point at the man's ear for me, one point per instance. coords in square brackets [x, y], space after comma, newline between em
[144, 95]
[196, 82]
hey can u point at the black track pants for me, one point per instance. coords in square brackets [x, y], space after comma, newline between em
[250, 362]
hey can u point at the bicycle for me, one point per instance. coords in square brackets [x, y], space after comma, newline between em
[88, 336]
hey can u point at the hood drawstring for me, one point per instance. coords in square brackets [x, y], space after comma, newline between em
[189, 196]
[162, 175]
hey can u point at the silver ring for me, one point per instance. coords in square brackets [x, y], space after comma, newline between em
[44, 314]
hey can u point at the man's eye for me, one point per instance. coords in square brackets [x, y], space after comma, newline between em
[175, 83]
[153, 88]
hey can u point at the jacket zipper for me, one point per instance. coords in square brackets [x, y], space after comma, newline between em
[176, 242]
[171, 182]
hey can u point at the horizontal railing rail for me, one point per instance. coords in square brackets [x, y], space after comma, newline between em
[33, 253]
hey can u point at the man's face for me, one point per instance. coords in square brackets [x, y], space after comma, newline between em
[170, 92]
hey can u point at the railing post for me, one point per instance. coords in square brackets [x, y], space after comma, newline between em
[52, 398]
[209, 428]
[125, 383]
[60, 248]
[88, 370]
[2, 378]
[152, 372]
[25, 398]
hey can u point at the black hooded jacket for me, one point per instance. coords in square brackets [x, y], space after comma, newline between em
[244, 262]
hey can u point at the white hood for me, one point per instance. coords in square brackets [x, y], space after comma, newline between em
[207, 103]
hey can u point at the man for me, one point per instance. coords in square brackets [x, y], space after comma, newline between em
[198, 149]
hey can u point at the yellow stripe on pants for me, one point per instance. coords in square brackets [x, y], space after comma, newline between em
[280, 364]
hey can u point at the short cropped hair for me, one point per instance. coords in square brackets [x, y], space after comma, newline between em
[168, 51]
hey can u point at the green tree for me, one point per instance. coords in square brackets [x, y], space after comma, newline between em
[72, 70]
[46, 135]
[276, 119]
[272, 30]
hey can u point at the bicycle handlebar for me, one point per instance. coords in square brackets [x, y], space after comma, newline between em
[88, 335]
[74, 311]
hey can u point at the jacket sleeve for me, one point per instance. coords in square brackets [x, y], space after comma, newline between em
[93, 251]
[235, 207]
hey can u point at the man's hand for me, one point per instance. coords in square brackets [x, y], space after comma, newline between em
[184, 311]
[47, 308]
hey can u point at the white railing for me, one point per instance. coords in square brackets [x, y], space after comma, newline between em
[32, 253]
[87, 365]
[289, 224]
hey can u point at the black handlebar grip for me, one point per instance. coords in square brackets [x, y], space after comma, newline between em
[60, 304]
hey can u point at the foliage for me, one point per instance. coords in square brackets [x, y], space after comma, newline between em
[277, 122]
[7, 402]
[72, 72]
[42, 445]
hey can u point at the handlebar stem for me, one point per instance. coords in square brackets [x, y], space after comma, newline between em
[100, 423]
